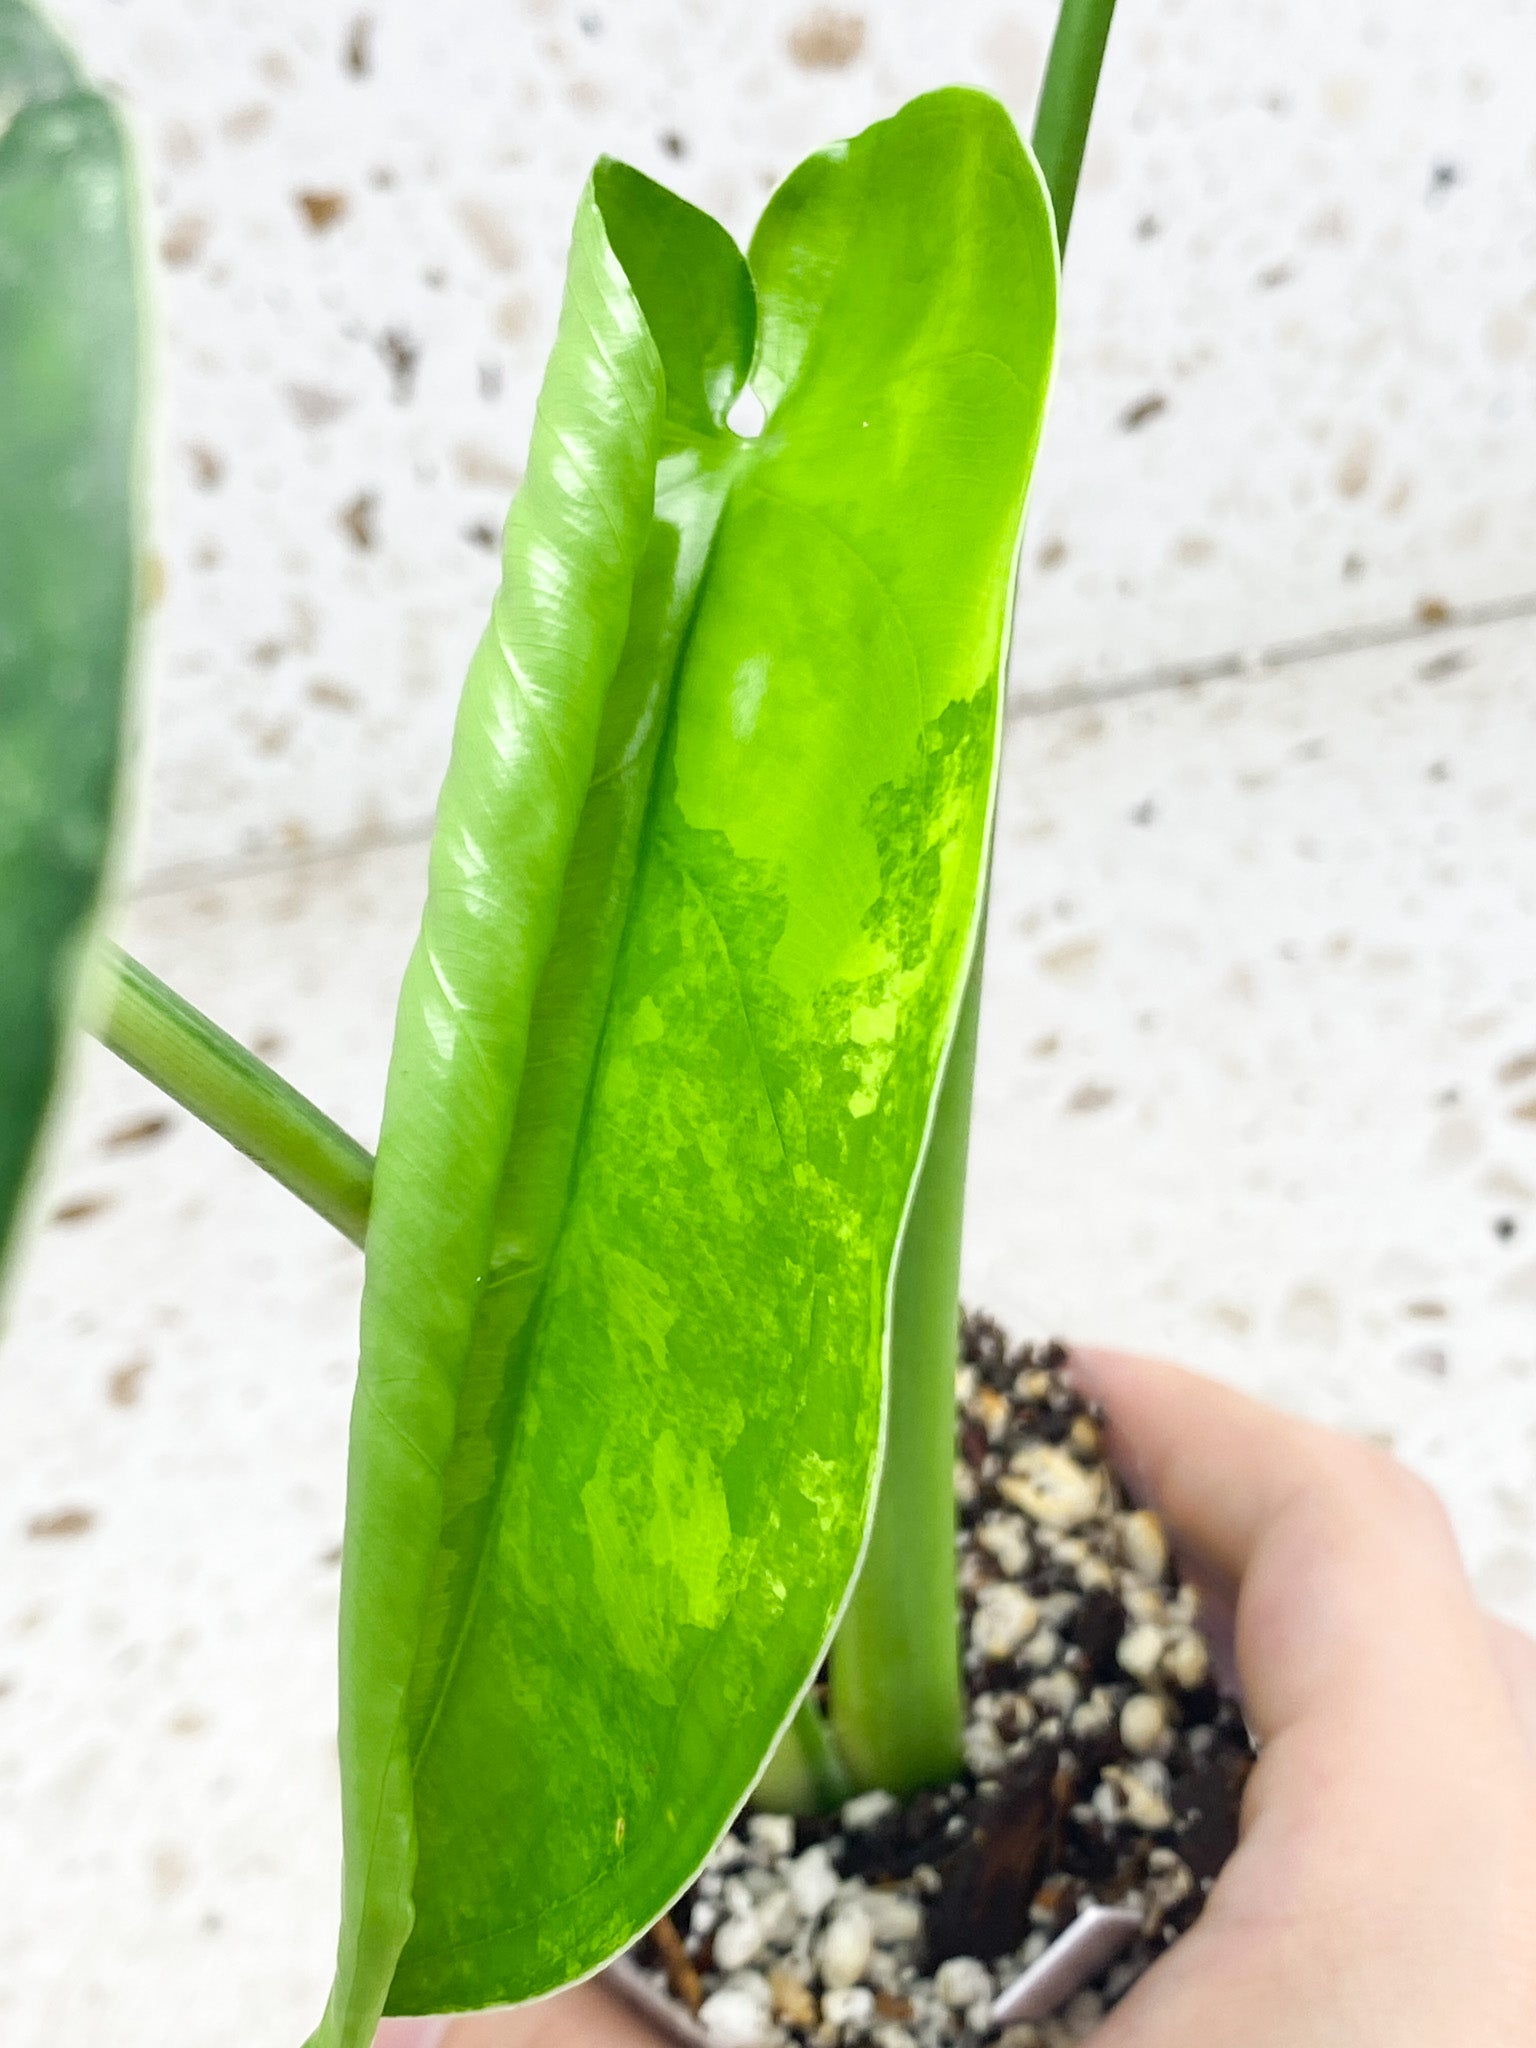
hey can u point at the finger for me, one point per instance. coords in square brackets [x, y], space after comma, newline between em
[586, 2017]
[1515, 1654]
[1353, 1597]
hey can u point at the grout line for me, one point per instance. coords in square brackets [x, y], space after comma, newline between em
[212, 874]
[1216, 668]
[1235, 666]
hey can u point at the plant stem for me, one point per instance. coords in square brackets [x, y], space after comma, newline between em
[1066, 101]
[230, 1090]
[805, 1774]
[897, 1714]
[896, 1704]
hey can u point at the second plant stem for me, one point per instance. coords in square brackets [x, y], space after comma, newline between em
[896, 1706]
[228, 1088]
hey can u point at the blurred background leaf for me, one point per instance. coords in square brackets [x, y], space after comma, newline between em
[69, 363]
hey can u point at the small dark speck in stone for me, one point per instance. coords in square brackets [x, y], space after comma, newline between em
[360, 519]
[673, 144]
[183, 240]
[62, 1522]
[490, 380]
[207, 466]
[139, 1130]
[331, 696]
[80, 1207]
[590, 24]
[1504, 1227]
[125, 1383]
[1432, 611]
[357, 50]
[1144, 409]
[1144, 813]
[321, 210]
[1276, 275]
[1441, 178]
[827, 40]
[1428, 1359]
[1093, 1095]
[1438, 771]
[481, 535]
[401, 356]
[1442, 665]
[1148, 227]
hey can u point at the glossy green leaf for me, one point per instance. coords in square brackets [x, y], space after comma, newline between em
[703, 892]
[68, 378]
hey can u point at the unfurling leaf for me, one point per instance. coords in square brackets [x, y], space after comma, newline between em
[703, 892]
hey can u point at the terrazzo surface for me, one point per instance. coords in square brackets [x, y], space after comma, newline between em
[1258, 1072]
[1257, 1088]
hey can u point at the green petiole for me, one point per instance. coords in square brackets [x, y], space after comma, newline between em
[1067, 94]
[226, 1087]
[896, 1700]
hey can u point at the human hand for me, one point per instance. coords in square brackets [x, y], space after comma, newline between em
[586, 2017]
[1383, 1893]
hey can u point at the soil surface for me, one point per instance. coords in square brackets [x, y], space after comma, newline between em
[1102, 1765]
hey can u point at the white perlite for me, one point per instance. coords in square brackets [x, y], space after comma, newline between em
[962, 1982]
[737, 2019]
[1051, 1487]
[843, 1953]
[812, 1882]
[773, 1833]
[1187, 1661]
[1143, 1724]
[1005, 1538]
[1005, 1616]
[1143, 1543]
[737, 1941]
[1141, 1650]
[867, 1810]
[851, 2006]
[893, 1917]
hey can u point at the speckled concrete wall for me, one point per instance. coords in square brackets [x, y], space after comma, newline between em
[1295, 393]
[1258, 1079]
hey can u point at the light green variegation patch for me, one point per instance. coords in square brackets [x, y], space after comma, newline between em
[704, 892]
